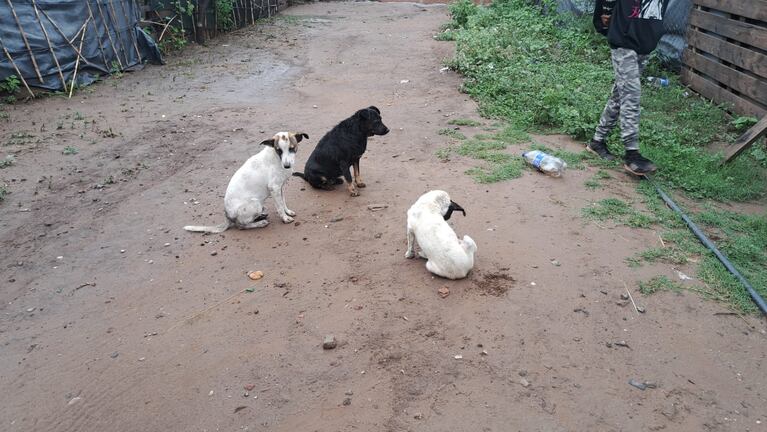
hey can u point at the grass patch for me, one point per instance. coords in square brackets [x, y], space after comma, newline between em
[452, 133]
[69, 150]
[7, 161]
[464, 122]
[553, 72]
[3, 193]
[619, 212]
[658, 283]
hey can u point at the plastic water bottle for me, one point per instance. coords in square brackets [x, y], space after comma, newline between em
[658, 81]
[545, 162]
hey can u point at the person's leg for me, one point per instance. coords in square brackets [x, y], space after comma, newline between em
[608, 119]
[628, 80]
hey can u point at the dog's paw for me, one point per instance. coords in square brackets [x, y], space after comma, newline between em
[409, 254]
[360, 184]
[290, 212]
[287, 219]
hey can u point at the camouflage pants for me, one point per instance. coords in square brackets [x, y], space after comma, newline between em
[624, 100]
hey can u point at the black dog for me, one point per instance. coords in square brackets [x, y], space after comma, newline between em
[341, 149]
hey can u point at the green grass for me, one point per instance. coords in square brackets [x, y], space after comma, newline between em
[464, 122]
[658, 283]
[619, 212]
[553, 73]
[69, 150]
[452, 133]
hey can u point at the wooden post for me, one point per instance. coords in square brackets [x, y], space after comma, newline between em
[50, 47]
[61, 32]
[746, 140]
[26, 42]
[112, 14]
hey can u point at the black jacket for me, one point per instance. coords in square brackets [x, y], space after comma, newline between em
[634, 24]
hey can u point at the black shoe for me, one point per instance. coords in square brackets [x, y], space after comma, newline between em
[600, 149]
[638, 164]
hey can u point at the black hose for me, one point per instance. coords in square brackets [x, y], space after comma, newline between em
[712, 247]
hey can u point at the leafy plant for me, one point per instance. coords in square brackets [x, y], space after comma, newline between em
[69, 150]
[10, 84]
[224, 10]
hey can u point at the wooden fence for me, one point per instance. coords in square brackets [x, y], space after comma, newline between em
[726, 56]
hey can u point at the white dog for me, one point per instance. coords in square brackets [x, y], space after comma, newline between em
[262, 175]
[447, 255]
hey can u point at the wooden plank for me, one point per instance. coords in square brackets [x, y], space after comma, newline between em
[745, 84]
[711, 90]
[737, 55]
[754, 9]
[740, 31]
[746, 140]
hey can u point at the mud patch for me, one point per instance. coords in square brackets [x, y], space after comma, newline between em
[496, 283]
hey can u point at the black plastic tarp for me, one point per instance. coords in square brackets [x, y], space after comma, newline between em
[35, 35]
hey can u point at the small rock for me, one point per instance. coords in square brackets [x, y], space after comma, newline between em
[214, 253]
[210, 393]
[609, 344]
[376, 207]
[624, 296]
[256, 275]
[114, 354]
[31, 309]
[484, 353]
[347, 401]
[637, 384]
[641, 309]
[458, 357]
[349, 393]
[524, 382]
[142, 358]
[418, 416]
[444, 291]
[337, 219]
[74, 400]
[249, 387]
[329, 342]
[523, 373]
[651, 384]
[622, 344]
[555, 263]
[166, 244]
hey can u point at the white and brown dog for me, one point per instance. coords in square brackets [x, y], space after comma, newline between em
[447, 255]
[262, 175]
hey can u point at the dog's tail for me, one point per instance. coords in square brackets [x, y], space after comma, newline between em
[469, 245]
[209, 229]
[300, 174]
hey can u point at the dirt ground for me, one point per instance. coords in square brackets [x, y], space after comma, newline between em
[115, 319]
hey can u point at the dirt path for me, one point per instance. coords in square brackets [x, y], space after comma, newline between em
[115, 319]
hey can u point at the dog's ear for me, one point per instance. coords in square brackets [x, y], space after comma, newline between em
[301, 135]
[269, 142]
[453, 207]
[374, 108]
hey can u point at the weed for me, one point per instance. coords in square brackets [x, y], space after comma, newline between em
[4, 115]
[658, 283]
[443, 154]
[592, 183]
[69, 150]
[79, 116]
[452, 133]
[3, 192]
[7, 161]
[508, 170]
[10, 84]
[464, 122]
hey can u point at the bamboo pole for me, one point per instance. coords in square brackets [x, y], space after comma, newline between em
[13, 63]
[252, 18]
[26, 42]
[77, 63]
[109, 34]
[112, 14]
[98, 37]
[129, 22]
[61, 32]
[50, 47]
